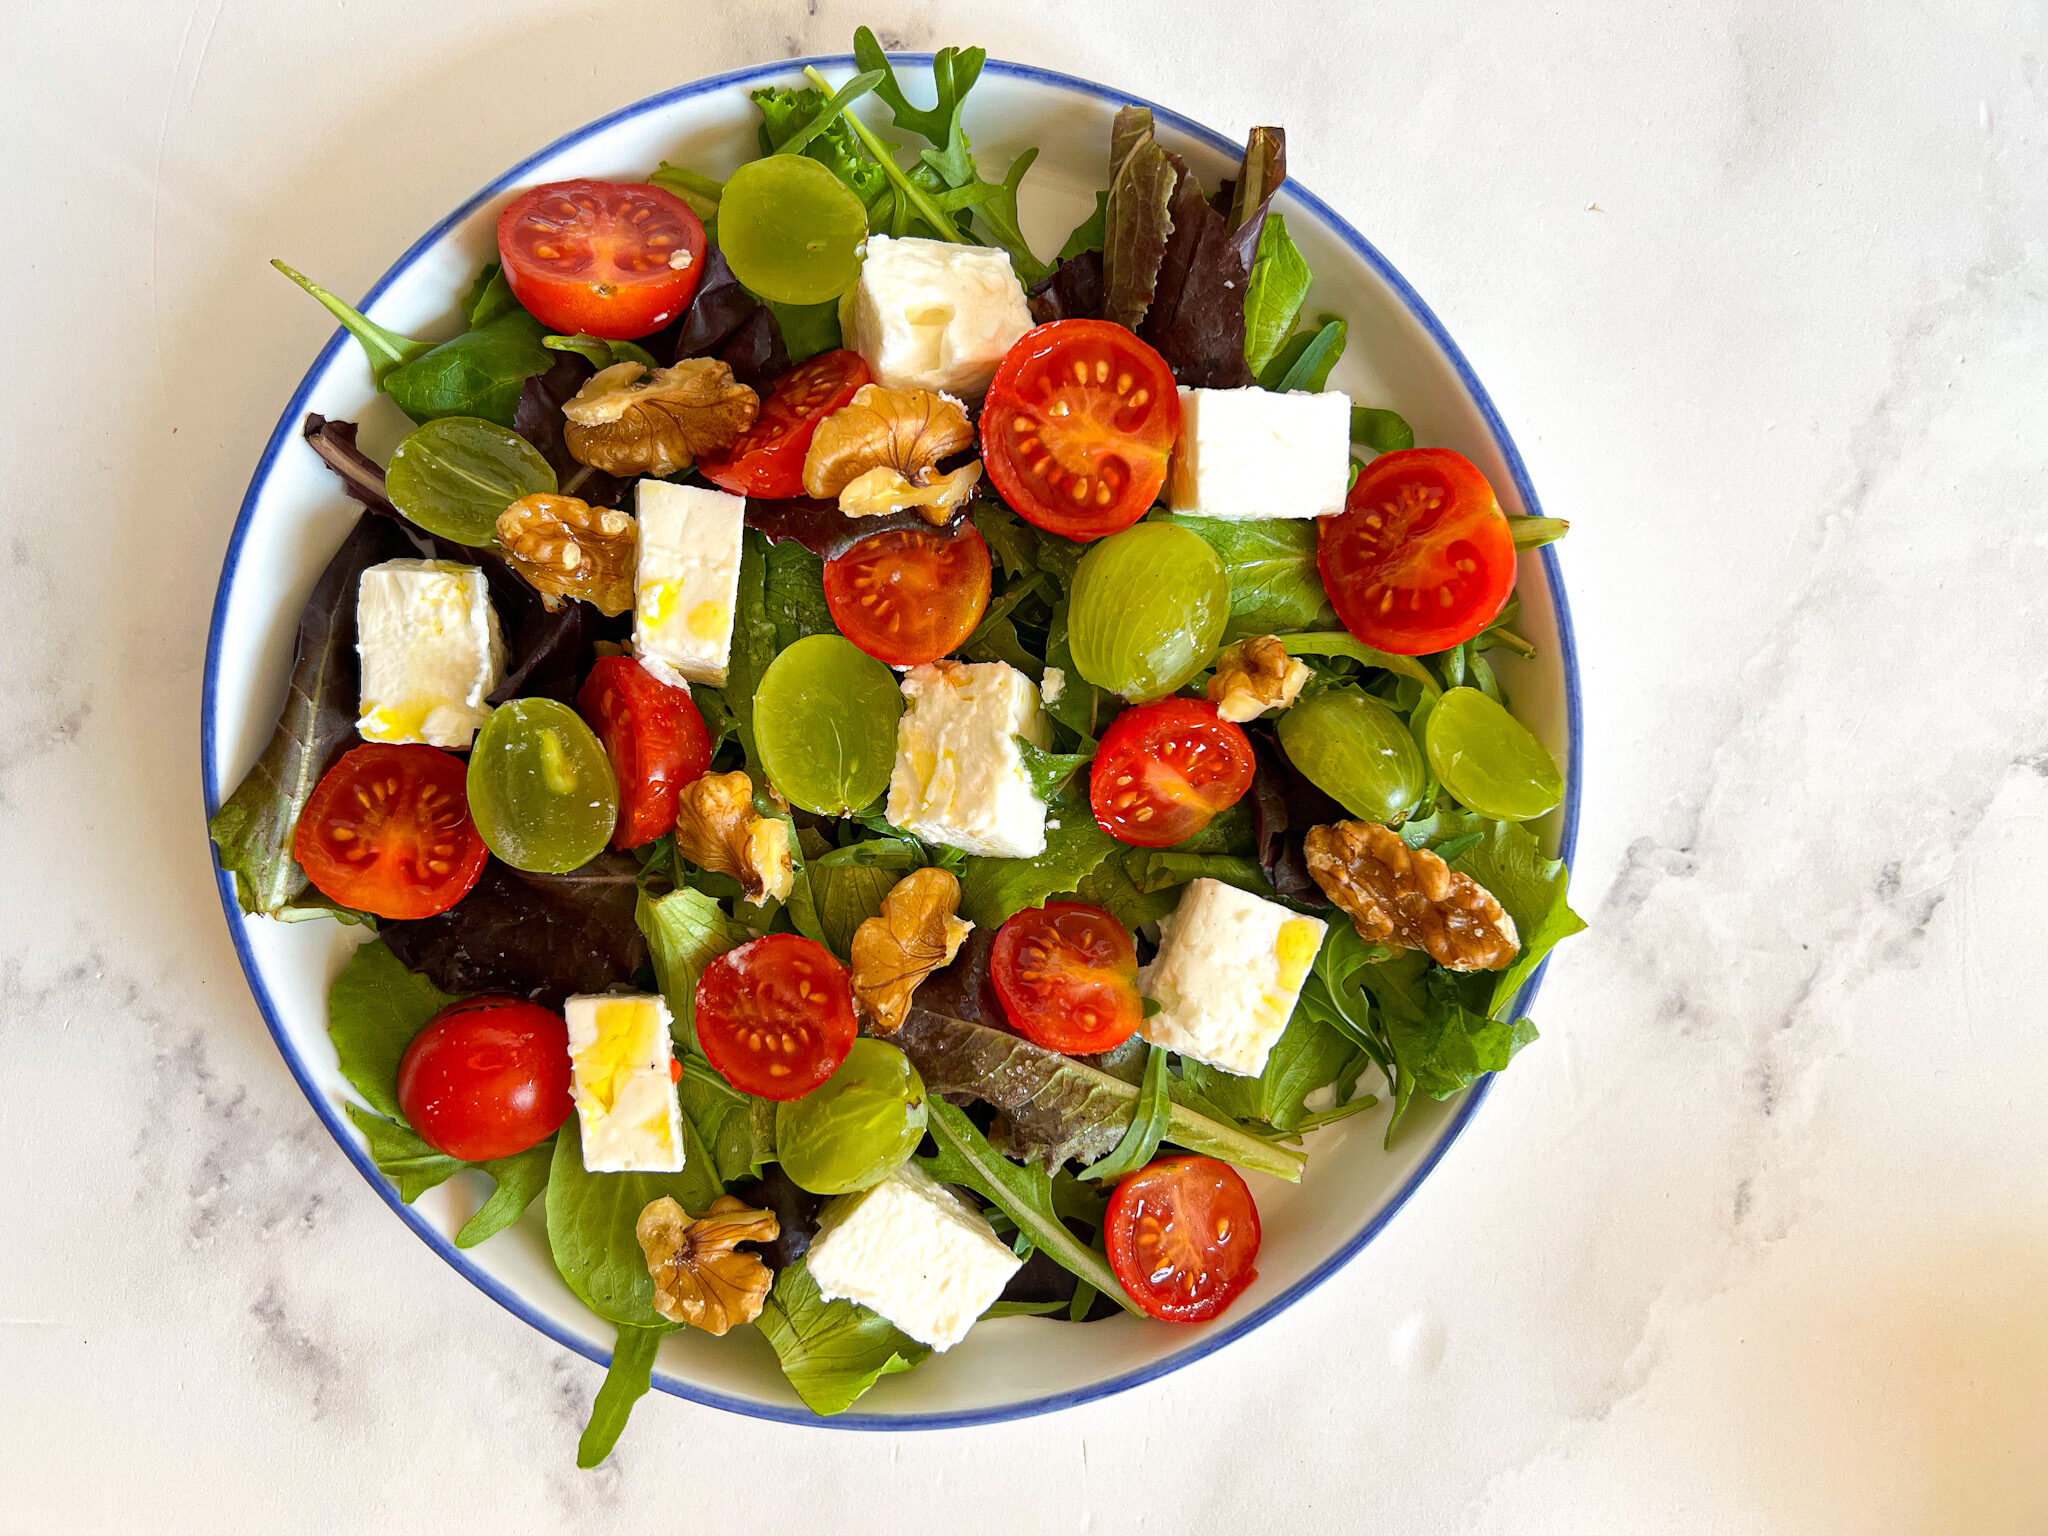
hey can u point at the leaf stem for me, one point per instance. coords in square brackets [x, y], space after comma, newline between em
[908, 190]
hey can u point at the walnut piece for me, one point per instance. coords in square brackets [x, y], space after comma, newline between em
[699, 1277]
[565, 547]
[1410, 898]
[915, 935]
[717, 828]
[880, 453]
[659, 424]
[1253, 676]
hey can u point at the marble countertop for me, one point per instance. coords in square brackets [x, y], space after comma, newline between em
[1756, 1240]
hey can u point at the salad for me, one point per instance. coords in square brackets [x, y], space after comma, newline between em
[882, 775]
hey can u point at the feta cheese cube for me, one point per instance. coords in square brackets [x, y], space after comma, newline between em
[624, 1089]
[686, 581]
[929, 314]
[915, 1252]
[959, 779]
[1229, 968]
[1246, 453]
[431, 652]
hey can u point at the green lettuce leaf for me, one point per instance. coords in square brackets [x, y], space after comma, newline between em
[630, 1376]
[994, 890]
[415, 1168]
[1509, 862]
[737, 1129]
[785, 113]
[1271, 564]
[1279, 283]
[591, 1217]
[686, 930]
[832, 1352]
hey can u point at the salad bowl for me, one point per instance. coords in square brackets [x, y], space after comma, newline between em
[294, 516]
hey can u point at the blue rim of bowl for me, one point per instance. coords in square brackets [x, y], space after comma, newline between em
[330, 1115]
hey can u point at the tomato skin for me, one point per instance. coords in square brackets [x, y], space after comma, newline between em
[597, 256]
[1079, 423]
[910, 595]
[1421, 558]
[1183, 1235]
[775, 1017]
[767, 461]
[1166, 769]
[655, 738]
[387, 831]
[486, 1078]
[1067, 976]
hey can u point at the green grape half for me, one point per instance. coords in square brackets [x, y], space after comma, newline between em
[825, 724]
[454, 475]
[1147, 610]
[854, 1129]
[1357, 751]
[541, 789]
[1488, 760]
[791, 230]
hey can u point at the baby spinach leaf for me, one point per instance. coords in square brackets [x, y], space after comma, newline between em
[625, 1383]
[1271, 562]
[591, 1218]
[385, 349]
[832, 1352]
[685, 931]
[374, 1009]
[994, 890]
[793, 593]
[479, 373]
[807, 329]
[1381, 431]
[489, 296]
[600, 353]
[1279, 283]
[1150, 1116]
[1305, 362]
[1138, 217]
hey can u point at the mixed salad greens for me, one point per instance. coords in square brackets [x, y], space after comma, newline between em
[882, 770]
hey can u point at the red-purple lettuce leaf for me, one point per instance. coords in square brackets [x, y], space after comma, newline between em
[1138, 218]
[539, 420]
[1196, 318]
[1073, 292]
[820, 526]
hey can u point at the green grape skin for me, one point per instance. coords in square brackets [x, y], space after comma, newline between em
[1488, 760]
[1147, 611]
[1357, 751]
[454, 475]
[856, 1128]
[791, 230]
[825, 725]
[541, 789]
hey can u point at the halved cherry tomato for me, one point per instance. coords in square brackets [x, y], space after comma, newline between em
[1165, 769]
[387, 831]
[487, 1078]
[609, 258]
[1067, 975]
[1183, 1237]
[767, 461]
[910, 595]
[1078, 426]
[655, 738]
[1421, 558]
[775, 1017]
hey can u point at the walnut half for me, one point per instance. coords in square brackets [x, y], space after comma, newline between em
[565, 547]
[627, 421]
[699, 1277]
[880, 453]
[1253, 676]
[717, 828]
[1410, 898]
[915, 935]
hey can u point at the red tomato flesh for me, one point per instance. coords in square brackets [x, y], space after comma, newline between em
[606, 258]
[775, 1017]
[1067, 976]
[1421, 558]
[910, 595]
[655, 738]
[1078, 426]
[487, 1078]
[767, 461]
[1183, 1237]
[1165, 769]
[387, 831]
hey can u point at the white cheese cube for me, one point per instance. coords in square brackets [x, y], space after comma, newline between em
[1246, 453]
[623, 1084]
[959, 779]
[431, 652]
[686, 580]
[929, 314]
[916, 1253]
[1229, 968]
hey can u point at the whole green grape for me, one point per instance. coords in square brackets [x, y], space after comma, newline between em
[1147, 610]
[825, 724]
[1357, 751]
[791, 230]
[454, 475]
[1488, 760]
[541, 789]
[856, 1128]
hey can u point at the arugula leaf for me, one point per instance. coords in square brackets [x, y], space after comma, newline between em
[1279, 283]
[1533, 888]
[1271, 562]
[591, 1217]
[994, 890]
[832, 1352]
[625, 1383]
[954, 71]
[1306, 360]
[374, 1009]
[520, 1178]
[1310, 1054]
[1339, 643]
[685, 930]
[1089, 234]
[1137, 217]
[1381, 431]
[828, 113]
[1049, 771]
[1150, 1117]
[1012, 541]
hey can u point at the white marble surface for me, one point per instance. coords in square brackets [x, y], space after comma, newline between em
[1756, 1240]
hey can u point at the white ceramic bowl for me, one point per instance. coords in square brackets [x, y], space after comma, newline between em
[295, 516]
